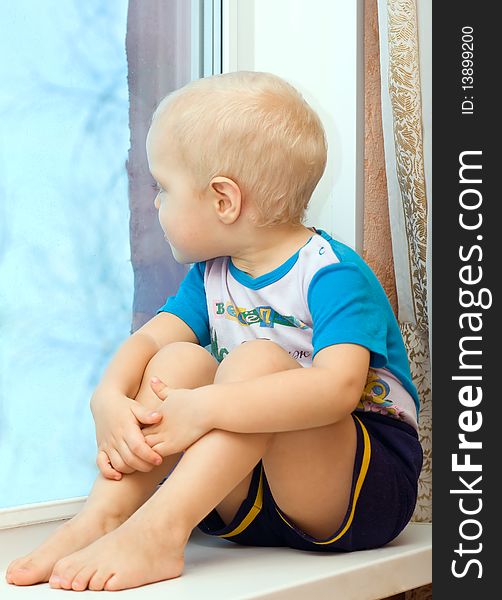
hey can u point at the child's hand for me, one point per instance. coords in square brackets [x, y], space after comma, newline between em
[182, 423]
[121, 444]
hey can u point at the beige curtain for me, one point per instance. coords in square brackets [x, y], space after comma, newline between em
[398, 198]
[403, 132]
[398, 192]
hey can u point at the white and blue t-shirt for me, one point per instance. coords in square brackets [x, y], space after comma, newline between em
[324, 294]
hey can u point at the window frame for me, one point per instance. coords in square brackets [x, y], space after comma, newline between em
[236, 35]
[206, 36]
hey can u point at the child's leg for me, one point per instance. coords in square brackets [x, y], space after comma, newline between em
[111, 502]
[149, 546]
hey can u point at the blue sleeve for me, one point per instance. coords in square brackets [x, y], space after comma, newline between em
[189, 304]
[345, 310]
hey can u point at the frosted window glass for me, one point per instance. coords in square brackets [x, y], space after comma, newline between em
[66, 282]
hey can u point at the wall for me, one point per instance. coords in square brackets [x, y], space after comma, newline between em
[318, 49]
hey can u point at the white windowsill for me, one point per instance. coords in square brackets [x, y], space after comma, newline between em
[41, 512]
[221, 570]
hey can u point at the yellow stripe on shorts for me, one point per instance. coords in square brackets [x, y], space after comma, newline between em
[253, 512]
[359, 484]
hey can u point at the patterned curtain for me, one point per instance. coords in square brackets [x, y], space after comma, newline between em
[403, 132]
[398, 192]
[398, 188]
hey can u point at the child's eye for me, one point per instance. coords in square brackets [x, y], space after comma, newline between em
[156, 187]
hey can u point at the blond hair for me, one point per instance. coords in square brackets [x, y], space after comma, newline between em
[256, 129]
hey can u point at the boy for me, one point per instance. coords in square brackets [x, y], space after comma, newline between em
[299, 428]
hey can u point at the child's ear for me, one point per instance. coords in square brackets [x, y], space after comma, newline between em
[227, 199]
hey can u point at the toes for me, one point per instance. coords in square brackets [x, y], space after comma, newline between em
[113, 585]
[98, 580]
[54, 581]
[13, 565]
[63, 573]
[23, 572]
[17, 575]
[55, 577]
[11, 568]
[81, 579]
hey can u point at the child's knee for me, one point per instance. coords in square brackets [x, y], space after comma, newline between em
[183, 364]
[252, 359]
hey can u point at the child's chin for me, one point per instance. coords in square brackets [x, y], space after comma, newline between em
[180, 257]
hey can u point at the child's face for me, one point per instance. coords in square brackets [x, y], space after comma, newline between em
[183, 216]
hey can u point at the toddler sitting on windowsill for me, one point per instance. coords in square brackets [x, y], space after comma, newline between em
[299, 428]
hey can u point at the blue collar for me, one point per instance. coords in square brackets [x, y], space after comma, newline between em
[255, 283]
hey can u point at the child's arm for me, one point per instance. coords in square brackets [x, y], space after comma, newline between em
[289, 400]
[125, 371]
[115, 413]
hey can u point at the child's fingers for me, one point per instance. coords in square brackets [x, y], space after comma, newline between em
[142, 450]
[162, 448]
[128, 456]
[103, 463]
[145, 415]
[159, 387]
[117, 460]
[149, 430]
[152, 439]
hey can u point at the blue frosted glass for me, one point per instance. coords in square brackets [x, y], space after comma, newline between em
[66, 282]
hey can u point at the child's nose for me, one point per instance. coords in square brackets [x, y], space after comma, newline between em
[156, 202]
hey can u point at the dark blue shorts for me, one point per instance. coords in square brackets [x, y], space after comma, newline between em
[383, 496]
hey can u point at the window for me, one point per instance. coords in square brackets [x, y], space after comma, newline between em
[75, 107]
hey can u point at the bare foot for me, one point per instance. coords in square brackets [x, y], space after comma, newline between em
[136, 553]
[72, 535]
